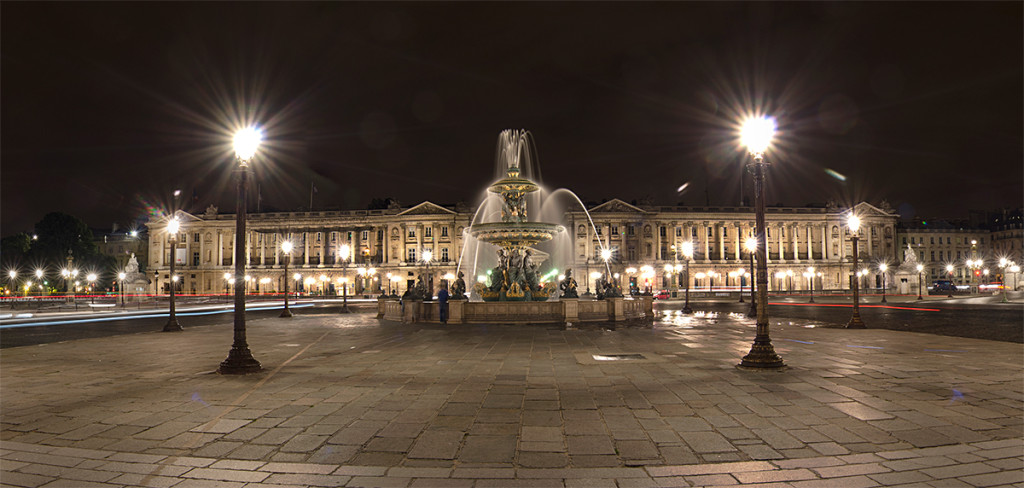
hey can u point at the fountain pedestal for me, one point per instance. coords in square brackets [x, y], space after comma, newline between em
[411, 313]
[570, 311]
[456, 311]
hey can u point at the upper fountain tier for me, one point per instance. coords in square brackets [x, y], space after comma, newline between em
[514, 231]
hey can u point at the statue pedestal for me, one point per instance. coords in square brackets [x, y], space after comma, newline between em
[412, 311]
[647, 305]
[570, 311]
[616, 310]
[456, 311]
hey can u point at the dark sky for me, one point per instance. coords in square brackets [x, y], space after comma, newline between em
[107, 108]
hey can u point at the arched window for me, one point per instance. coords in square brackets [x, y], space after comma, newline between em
[835, 231]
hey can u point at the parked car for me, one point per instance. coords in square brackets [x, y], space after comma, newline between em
[662, 295]
[942, 287]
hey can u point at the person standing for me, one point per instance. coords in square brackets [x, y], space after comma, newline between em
[442, 302]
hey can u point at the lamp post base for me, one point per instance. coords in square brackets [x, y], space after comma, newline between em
[286, 313]
[172, 325]
[762, 355]
[239, 361]
[855, 322]
[752, 313]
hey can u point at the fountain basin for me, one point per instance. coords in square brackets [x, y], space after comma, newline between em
[515, 235]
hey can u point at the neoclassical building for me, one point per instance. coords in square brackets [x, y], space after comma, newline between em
[365, 251]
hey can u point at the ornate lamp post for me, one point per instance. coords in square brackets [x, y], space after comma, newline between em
[91, 278]
[240, 360]
[39, 278]
[883, 268]
[1003, 263]
[13, 275]
[428, 256]
[949, 269]
[920, 280]
[853, 222]
[810, 276]
[756, 135]
[173, 225]
[751, 245]
[120, 277]
[286, 248]
[343, 253]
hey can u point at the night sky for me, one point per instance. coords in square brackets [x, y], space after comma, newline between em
[107, 108]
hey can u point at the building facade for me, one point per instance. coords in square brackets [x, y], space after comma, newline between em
[937, 245]
[367, 251]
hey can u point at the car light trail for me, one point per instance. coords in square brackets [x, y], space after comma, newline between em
[138, 316]
[851, 306]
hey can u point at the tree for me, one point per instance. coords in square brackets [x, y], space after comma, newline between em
[59, 234]
[14, 249]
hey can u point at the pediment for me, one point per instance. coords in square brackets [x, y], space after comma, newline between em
[187, 217]
[616, 206]
[864, 209]
[427, 208]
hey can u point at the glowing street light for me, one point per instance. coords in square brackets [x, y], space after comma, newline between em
[756, 135]
[949, 269]
[173, 225]
[810, 276]
[1003, 263]
[240, 359]
[91, 278]
[882, 268]
[286, 248]
[121, 277]
[853, 222]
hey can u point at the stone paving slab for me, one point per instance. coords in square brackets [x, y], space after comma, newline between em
[347, 401]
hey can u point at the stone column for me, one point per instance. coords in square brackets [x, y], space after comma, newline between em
[220, 249]
[720, 229]
[824, 241]
[657, 242]
[305, 246]
[739, 240]
[781, 230]
[706, 239]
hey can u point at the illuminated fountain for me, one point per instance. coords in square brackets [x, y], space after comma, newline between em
[513, 289]
[516, 276]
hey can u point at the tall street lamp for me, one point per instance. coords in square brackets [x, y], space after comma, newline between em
[810, 276]
[240, 360]
[91, 278]
[883, 268]
[751, 246]
[173, 225]
[756, 135]
[949, 269]
[853, 222]
[920, 268]
[428, 256]
[344, 252]
[286, 248]
[121, 277]
[1003, 263]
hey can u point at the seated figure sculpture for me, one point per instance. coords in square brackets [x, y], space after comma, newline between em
[459, 288]
[568, 285]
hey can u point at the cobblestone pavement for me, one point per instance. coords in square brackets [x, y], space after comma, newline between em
[346, 401]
